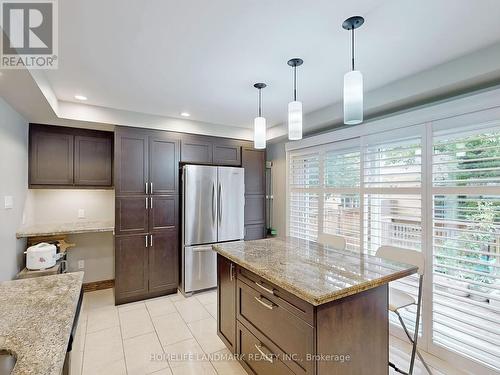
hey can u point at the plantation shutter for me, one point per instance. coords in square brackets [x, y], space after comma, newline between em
[466, 241]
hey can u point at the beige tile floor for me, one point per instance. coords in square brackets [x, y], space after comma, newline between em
[113, 340]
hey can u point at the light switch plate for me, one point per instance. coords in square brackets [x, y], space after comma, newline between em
[81, 213]
[8, 202]
[81, 264]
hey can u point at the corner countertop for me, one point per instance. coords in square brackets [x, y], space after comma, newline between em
[36, 321]
[51, 229]
[315, 273]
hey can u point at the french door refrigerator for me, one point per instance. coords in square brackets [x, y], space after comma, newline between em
[213, 202]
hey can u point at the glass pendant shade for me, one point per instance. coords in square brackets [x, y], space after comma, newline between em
[353, 98]
[294, 120]
[259, 135]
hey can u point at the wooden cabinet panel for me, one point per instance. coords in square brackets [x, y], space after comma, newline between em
[226, 294]
[93, 161]
[131, 162]
[196, 150]
[255, 232]
[227, 153]
[269, 314]
[131, 215]
[254, 162]
[131, 267]
[163, 212]
[163, 261]
[51, 158]
[163, 163]
[255, 209]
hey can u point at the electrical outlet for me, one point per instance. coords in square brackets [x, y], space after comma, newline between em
[81, 213]
[81, 264]
[8, 202]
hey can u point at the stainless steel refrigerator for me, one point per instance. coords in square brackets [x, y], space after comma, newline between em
[213, 202]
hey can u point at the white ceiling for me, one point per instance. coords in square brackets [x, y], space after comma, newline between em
[163, 57]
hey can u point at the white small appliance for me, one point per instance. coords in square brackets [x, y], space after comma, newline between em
[41, 256]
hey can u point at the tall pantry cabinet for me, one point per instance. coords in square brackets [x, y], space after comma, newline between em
[146, 213]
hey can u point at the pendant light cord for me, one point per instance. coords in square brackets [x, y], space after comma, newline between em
[295, 83]
[260, 104]
[352, 48]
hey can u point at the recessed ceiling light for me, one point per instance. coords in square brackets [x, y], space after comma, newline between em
[185, 114]
[80, 97]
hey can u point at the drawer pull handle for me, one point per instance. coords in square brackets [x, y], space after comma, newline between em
[264, 355]
[269, 305]
[264, 288]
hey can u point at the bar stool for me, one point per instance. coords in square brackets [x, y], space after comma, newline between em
[399, 300]
[337, 242]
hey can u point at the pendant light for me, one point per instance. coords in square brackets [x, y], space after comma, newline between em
[259, 127]
[353, 81]
[295, 107]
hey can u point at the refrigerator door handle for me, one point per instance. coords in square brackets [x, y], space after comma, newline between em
[220, 203]
[214, 213]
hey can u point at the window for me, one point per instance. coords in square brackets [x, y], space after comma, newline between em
[433, 187]
[466, 242]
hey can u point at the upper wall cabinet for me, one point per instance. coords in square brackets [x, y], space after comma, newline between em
[210, 150]
[69, 157]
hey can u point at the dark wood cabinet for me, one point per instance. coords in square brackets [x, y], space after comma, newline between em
[254, 162]
[131, 214]
[61, 157]
[163, 261]
[51, 157]
[131, 267]
[227, 152]
[147, 195]
[164, 163]
[93, 161]
[196, 149]
[226, 309]
[131, 162]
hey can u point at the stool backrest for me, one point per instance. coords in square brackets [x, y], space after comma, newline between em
[337, 242]
[399, 254]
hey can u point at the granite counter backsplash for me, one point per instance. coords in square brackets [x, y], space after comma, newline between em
[36, 317]
[315, 273]
[51, 229]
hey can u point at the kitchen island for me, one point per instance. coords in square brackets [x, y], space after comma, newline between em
[291, 306]
[36, 320]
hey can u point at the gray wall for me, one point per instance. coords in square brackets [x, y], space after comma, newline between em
[276, 154]
[13, 182]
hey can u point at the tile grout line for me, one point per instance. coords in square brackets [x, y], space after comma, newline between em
[121, 336]
[158, 336]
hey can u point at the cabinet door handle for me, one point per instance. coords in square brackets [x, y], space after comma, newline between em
[151, 205]
[146, 240]
[151, 188]
[269, 305]
[146, 202]
[146, 187]
[150, 240]
[231, 272]
[264, 355]
[264, 288]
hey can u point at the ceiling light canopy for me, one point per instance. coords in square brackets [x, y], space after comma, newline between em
[80, 97]
[353, 80]
[185, 114]
[295, 107]
[259, 126]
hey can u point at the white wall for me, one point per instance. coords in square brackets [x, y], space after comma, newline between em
[13, 182]
[61, 206]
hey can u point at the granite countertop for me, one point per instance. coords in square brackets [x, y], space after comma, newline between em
[50, 229]
[36, 318]
[315, 273]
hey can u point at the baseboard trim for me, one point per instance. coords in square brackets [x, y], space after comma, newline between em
[98, 285]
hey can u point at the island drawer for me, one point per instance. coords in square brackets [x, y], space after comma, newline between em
[269, 315]
[259, 356]
[292, 303]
